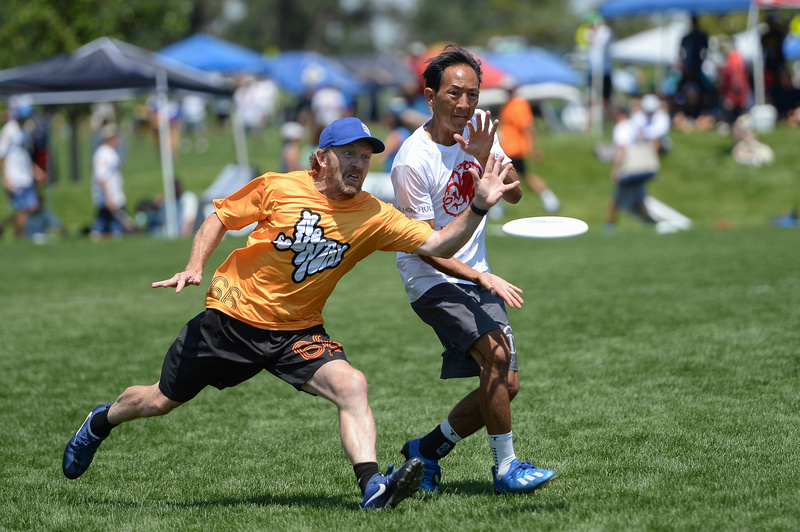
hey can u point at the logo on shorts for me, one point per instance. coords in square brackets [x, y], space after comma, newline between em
[460, 189]
[318, 346]
[313, 252]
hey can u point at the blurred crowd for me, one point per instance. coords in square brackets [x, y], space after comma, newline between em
[711, 86]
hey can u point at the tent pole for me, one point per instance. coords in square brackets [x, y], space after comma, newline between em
[758, 55]
[167, 170]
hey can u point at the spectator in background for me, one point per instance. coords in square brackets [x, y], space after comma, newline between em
[600, 38]
[328, 104]
[626, 196]
[517, 133]
[193, 111]
[18, 169]
[774, 60]
[108, 193]
[694, 85]
[734, 87]
[291, 159]
[653, 123]
[398, 133]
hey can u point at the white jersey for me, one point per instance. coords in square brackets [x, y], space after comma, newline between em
[106, 169]
[17, 164]
[432, 182]
[652, 127]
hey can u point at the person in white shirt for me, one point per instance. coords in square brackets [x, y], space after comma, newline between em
[108, 194]
[653, 122]
[18, 173]
[460, 298]
[627, 196]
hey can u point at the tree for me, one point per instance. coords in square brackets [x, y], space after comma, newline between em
[31, 30]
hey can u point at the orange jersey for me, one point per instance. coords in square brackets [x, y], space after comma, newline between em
[515, 119]
[303, 244]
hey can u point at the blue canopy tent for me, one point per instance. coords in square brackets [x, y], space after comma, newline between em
[212, 54]
[632, 8]
[301, 72]
[535, 65]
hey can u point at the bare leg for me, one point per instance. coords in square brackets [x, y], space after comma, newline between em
[346, 387]
[140, 401]
[492, 354]
[466, 417]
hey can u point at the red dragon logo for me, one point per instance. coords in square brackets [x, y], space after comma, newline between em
[460, 189]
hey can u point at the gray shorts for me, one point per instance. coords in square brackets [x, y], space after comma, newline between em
[460, 314]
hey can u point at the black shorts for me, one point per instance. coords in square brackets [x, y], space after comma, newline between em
[218, 350]
[519, 166]
[460, 314]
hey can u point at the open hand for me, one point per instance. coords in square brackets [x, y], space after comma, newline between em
[481, 136]
[498, 286]
[179, 280]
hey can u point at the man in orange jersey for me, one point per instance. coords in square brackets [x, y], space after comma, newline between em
[264, 303]
[518, 137]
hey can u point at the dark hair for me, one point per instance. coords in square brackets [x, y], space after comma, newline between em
[451, 55]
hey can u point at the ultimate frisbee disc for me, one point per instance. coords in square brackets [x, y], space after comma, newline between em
[545, 227]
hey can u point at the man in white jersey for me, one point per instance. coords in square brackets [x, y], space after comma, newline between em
[459, 297]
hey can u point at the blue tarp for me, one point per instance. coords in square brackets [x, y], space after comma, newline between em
[303, 72]
[535, 65]
[629, 8]
[209, 53]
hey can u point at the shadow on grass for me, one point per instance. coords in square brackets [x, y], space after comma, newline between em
[315, 500]
[531, 502]
[515, 503]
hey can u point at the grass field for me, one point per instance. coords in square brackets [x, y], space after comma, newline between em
[660, 374]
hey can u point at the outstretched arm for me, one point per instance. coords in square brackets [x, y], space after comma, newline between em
[205, 242]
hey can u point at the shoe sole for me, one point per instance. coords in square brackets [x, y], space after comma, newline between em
[406, 451]
[409, 478]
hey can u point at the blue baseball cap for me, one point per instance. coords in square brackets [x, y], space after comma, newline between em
[347, 130]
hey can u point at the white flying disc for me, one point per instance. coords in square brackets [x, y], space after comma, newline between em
[545, 227]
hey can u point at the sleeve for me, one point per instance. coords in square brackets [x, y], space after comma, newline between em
[401, 233]
[102, 165]
[245, 206]
[5, 142]
[411, 193]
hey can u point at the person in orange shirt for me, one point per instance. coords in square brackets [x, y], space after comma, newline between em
[264, 303]
[518, 138]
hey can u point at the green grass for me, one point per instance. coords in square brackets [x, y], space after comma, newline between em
[659, 379]
[659, 373]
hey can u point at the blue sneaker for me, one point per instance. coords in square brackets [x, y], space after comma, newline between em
[82, 446]
[522, 477]
[389, 490]
[433, 473]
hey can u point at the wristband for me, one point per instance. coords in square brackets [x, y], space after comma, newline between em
[478, 210]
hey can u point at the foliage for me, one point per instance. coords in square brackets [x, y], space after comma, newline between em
[35, 29]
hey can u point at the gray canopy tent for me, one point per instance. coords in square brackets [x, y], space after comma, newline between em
[107, 69]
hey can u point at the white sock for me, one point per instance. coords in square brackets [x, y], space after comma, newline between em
[550, 201]
[502, 452]
[449, 433]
